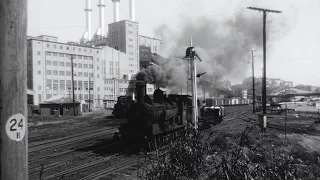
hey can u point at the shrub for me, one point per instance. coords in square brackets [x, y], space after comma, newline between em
[245, 156]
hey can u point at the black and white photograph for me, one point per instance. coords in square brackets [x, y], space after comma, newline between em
[159, 90]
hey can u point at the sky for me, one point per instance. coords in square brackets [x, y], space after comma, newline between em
[293, 50]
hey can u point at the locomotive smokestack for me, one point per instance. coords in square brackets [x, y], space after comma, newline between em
[141, 91]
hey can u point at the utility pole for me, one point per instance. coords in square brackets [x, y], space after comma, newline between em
[74, 103]
[253, 88]
[89, 92]
[13, 91]
[264, 82]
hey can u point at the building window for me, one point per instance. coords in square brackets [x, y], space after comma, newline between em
[90, 50]
[39, 72]
[80, 85]
[61, 73]
[48, 53]
[79, 57]
[55, 72]
[39, 87]
[67, 48]
[68, 73]
[61, 47]
[61, 55]
[39, 62]
[74, 64]
[80, 74]
[85, 57]
[97, 75]
[79, 65]
[97, 59]
[55, 63]
[62, 84]
[73, 48]
[49, 72]
[68, 64]
[55, 54]
[85, 65]
[98, 88]
[54, 46]
[85, 50]
[61, 63]
[48, 45]
[90, 58]
[48, 62]
[85, 74]
[97, 67]
[90, 66]
[79, 49]
[39, 96]
[97, 52]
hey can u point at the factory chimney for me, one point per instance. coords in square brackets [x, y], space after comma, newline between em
[88, 17]
[101, 6]
[132, 10]
[116, 10]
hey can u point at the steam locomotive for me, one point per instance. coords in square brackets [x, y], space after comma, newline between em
[151, 119]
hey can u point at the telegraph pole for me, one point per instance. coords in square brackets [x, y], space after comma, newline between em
[13, 90]
[264, 82]
[74, 103]
[253, 88]
[89, 92]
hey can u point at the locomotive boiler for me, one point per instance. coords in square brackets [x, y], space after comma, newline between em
[153, 118]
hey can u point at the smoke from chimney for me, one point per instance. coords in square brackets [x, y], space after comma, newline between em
[223, 47]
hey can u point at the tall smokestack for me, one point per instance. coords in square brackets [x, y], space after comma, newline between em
[132, 10]
[101, 6]
[116, 10]
[88, 16]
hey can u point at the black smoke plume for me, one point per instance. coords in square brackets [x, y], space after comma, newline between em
[224, 46]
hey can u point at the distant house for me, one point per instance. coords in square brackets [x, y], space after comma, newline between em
[59, 106]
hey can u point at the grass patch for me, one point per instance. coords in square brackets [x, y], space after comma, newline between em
[241, 156]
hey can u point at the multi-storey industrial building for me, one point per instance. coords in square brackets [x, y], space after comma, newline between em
[49, 71]
[104, 66]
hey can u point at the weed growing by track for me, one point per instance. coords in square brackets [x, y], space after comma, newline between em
[244, 156]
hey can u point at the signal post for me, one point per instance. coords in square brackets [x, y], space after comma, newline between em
[13, 90]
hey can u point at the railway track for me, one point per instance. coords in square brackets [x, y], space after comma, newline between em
[107, 165]
[54, 164]
[90, 170]
[49, 144]
[274, 126]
